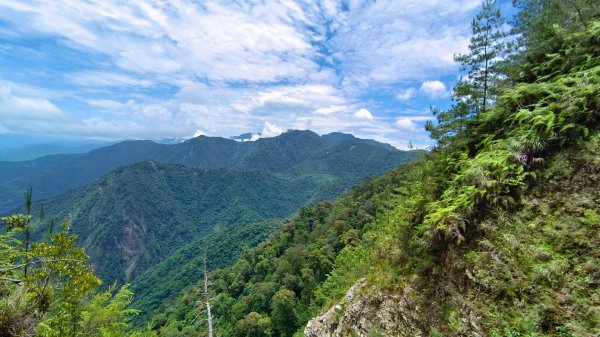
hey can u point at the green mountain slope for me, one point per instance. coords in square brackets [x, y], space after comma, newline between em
[165, 281]
[290, 152]
[299, 257]
[496, 233]
[133, 217]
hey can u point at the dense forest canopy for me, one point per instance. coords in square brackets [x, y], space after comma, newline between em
[492, 233]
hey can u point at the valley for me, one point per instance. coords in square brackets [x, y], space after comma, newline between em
[486, 224]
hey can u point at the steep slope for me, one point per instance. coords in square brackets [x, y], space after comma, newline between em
[133, 217]
[165, 281]
[290, 151]
[493, 234]
[531, 271]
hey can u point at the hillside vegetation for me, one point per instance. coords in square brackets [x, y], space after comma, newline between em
[166, 280]
[495, 233]
[136, 216]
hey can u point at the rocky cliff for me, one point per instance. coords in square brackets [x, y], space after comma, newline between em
[369, 311]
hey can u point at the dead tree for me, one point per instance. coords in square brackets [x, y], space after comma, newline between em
[206, 298]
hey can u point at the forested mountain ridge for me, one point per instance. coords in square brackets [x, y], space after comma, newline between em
[293, 150]
[135, 216]
[495, 233]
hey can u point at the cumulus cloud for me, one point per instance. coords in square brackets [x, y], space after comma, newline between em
[270, 130]
[199, 133]
[406, 124]
[363, 114]
[434, 89]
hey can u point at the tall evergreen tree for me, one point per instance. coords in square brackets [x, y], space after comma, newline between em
[486, 47]
[477, 91]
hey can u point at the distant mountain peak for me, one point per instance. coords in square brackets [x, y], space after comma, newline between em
[300, 132]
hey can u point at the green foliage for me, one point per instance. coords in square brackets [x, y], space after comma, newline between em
[542, 26]
[534, 269]
[106, 314]
[278, 283]
[165, 281]
[495, 232]
[486, 47]
[283, 313]
[255, 325]
[475, 94]
[48, 289]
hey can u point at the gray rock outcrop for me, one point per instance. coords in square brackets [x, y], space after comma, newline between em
[367, 311]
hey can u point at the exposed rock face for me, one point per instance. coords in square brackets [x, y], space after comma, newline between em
[366, 311]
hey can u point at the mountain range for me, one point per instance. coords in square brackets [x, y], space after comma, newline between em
[294, 152]
[139, 207]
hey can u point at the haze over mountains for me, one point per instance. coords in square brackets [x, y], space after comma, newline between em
[37, 150]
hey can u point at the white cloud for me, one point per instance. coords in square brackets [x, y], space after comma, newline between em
[332, 109]
[406, 124]
[390, 41]
[168, 68]
[407, 94]
[434, 89]
[387, 40]
[107, 104]
[304, 95]
[27, 109]
[199, 133]
[363, 114]
[108, 79]
[217, 40]
[270, 130]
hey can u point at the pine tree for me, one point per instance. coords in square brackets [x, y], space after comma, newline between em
[487, 46]
[475, 93]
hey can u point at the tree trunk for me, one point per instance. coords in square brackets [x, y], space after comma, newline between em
[209, 318]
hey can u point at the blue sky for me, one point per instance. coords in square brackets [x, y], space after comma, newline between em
[178, 68]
